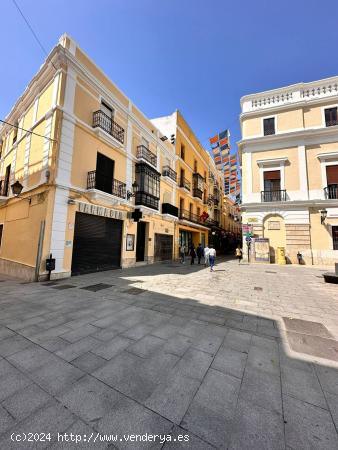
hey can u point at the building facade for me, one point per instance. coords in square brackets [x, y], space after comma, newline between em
[87, 179]
[289, 158]
[199, 191]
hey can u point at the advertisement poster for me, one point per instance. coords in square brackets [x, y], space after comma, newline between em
[261, 250]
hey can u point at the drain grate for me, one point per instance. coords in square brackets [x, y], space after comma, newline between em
[97, 287]
[62, 287]
[257, 288]
[51, 283]
[134, 291]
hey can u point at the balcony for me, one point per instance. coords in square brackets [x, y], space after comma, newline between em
[104, 184]
[216, 196]
[184, 183]
[331, 123]
[195, 218]
[211, 222]
[169, 172]
[107, 124]
[168, 208]
[145, 154]
[144, 199]
[197, 193]
[273, 196]
[331, 192]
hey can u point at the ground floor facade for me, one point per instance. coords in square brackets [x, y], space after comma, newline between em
[308, 233]
[82, 233]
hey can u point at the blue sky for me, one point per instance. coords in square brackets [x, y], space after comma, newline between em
[197, 56]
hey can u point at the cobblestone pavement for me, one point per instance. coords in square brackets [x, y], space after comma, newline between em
[245, 357]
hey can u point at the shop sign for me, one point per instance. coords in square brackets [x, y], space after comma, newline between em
[252, 219]
[96, 210]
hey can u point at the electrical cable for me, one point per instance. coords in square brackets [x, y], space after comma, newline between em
[32, 31]
[27, 131]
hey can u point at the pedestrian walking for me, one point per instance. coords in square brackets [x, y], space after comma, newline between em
[199, 252]
[206, 255]
[239, 254]
[182, 254]
[212, 258]
[192, 254]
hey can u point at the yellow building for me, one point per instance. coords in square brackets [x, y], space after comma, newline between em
[289, 155]
[199, 191]
[87, 178]
[90, 165]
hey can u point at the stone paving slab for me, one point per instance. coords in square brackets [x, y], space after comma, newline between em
[194, 353]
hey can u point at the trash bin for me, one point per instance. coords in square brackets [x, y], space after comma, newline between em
[281, 255]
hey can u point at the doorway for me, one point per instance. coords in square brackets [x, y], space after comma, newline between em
[104, 173]
[141, 241]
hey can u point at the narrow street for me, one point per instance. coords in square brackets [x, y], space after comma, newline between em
[242, 358]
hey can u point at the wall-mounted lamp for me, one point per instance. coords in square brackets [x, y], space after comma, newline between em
[135, 189]
[17, 189]
[323, 215]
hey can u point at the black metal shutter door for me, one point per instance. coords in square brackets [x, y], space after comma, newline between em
[97, 244]
[163, 247]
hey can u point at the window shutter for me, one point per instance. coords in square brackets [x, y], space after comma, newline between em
[272, 175]
[332, 174]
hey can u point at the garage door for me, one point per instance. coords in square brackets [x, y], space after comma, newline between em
[97, 244]
[163, 247]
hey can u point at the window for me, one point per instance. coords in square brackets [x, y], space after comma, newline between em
[335, 237]
[182, 151]
[6, 182]
[195, 166]
[107, 110]
[332, 181]
[272, 180]
[199, 211]
[331, 117]
[1, 146]
[145, 143]
[269, 126]
[1, 232]
[15, 132]
[148, 180]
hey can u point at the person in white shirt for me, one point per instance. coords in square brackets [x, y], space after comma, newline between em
[212, 257]
[206, 256]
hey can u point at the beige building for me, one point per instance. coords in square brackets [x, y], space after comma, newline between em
[289, 157]
[86, 177]
[199, 191]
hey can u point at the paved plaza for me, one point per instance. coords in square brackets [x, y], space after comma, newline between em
[242, 358]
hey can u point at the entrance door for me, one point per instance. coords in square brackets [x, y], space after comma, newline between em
[97, 244]
[104, 173]
[140, 241]
[163, 247]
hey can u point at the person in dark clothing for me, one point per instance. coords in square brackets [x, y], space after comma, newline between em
[192, 254]
[200, 252]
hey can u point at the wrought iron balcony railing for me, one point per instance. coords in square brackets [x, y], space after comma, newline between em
[106, 123]
[269, 131]
[184, 183]
[105, 184]
[331, 192]
[273, 196]
[331, 123]
[145, 199]
[169, 172]
[144, 153]
[187, 215]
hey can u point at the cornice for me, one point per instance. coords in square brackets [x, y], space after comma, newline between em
[300, 137]
[296, 204]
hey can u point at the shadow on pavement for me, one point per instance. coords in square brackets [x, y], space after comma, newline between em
[106, 356]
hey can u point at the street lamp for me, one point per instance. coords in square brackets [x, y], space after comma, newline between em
[16, 188]
[323, 214]
[134, 188]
